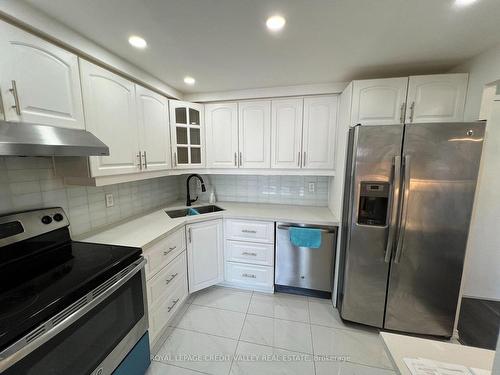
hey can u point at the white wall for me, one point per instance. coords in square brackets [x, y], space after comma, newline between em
[482, 265]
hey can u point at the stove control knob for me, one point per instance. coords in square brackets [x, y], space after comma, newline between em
[46, 219]
[58, 217]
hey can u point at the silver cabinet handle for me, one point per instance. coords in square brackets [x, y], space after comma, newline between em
[249, 275]
[412, 111]
[241, 158]
[139, 155]
[145, 161]
[14, 93]
[189, 235]
[304, 159]
[396, 182]
[402, 116]
[299, 160]
[173, 304]
[171, 278]
[235, 159]
[172, 248]
[169, 250]
[247, 253]
[404, 209]
[2, 109]
[248, 231]
[175, 159]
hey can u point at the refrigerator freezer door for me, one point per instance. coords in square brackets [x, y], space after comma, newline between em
[368, 204]
[442, 162]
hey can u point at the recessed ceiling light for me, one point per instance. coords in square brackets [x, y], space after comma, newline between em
[275, 23]
[464, 3]
[189, 80]
[137, 42]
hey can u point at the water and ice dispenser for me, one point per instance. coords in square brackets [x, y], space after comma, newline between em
[373, 203]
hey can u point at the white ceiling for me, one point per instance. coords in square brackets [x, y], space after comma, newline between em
[224, 43]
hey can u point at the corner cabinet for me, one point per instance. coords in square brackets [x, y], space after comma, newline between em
[39, 82]
[205, 252]
[221, 126]
[187, 134]
[303, 133]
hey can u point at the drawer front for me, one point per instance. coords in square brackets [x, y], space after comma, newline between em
[250, 252]
[164, 251]
[161, 283]
[261, 277]
[160, 313]
[248, 230]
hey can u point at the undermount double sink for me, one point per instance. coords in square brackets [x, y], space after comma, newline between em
[193, 211]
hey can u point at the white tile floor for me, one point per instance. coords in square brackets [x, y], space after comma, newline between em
[227, 331]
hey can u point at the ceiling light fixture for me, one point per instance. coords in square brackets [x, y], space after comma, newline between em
[189, 80]
[464, 3]
[275, 23]
[137, 42]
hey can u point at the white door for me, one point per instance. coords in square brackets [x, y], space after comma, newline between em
[286, 133]
[255, 134]
[320, 124]
[39, 82]
[110, 112]
[187, 134]
[221, 121]
[379, 101]
[152, 113]
[436, 98]
[205, 254]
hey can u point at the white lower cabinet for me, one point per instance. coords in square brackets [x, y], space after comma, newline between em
[205, 254]
[249, 254]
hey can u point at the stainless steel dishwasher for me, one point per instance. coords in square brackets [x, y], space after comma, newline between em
[303, 270]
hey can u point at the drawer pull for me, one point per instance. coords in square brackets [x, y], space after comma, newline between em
[169, 250]
[173, 277]
[248, 231]
[249, 275]
[247, 253]
[173, 304]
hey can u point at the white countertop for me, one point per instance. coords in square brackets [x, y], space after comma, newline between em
[142, 231]
[401, 346]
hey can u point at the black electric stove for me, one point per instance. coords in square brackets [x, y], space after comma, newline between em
[42, 270]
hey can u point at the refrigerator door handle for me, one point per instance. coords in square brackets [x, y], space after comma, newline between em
[396, 183]
[404, 209]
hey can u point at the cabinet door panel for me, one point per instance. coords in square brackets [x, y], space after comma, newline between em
[255, 134]
[286, 129]
[205, 254]
[436, 98]
[379, 101]
[222, 135]
[154, 129]
[320, 124]
[46, 78]
[110, 111]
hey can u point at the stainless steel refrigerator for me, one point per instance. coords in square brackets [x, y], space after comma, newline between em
[408, 197]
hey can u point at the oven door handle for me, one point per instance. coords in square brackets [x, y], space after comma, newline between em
[50, 328]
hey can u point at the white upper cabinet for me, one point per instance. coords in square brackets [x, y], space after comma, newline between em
[320, 124]
[152, 113]
[436, 98]
[221, 121]
[110, 111]
[205, 254]
[39, 81]
[187, 134]
[286, 133]
[255, 134]
[379, 101]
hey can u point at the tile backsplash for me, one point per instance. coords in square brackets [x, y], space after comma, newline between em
[262, 189]
[29, 183]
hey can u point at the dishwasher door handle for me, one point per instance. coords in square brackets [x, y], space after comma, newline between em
[286, 227]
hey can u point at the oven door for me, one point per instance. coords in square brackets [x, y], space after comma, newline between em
[91, 336]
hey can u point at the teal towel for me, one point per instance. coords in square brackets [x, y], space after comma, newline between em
[305, 237]
[192, 212]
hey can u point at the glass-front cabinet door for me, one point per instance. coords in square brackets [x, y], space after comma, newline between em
[187, 135]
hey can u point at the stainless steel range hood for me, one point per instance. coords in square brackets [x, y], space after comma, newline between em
[24, 139]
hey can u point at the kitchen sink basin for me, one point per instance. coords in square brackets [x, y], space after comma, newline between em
[192, 211]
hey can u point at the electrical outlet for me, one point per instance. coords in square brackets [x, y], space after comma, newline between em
[109, 200]
[312, 187]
